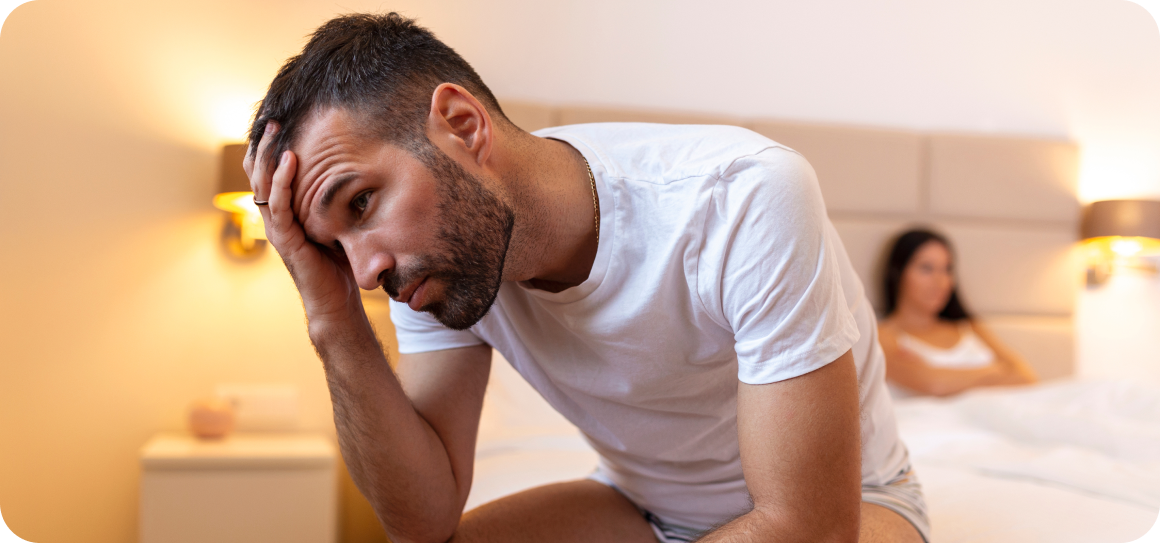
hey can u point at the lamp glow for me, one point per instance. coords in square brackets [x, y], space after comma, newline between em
[1121, 246]
[250, 219]
[245, 233]
[1118, 234]
[1126, 247]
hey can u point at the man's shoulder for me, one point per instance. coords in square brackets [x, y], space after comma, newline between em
[661, 153]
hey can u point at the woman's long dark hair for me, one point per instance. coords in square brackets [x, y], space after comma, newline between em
[904, 248]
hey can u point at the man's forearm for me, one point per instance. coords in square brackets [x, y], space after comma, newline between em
[394, 456]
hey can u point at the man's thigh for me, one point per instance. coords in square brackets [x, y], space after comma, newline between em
[881, 525]
[577, 511]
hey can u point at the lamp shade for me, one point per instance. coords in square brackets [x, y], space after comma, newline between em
[1122, 218]
[233, 195]
[232, 177]
[233, 192]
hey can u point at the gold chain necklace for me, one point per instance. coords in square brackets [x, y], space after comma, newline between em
[595, 202]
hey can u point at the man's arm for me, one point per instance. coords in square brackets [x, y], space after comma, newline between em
[409, 442]
[801, 454]
[409, 445]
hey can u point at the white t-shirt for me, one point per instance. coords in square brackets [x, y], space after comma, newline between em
[716, 263]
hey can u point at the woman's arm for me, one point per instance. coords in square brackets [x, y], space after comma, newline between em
[908, 369]
[1016, 370]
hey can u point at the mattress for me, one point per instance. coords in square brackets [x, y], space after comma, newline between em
[1066, 462]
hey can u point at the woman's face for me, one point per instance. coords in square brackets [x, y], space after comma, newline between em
[927, 280]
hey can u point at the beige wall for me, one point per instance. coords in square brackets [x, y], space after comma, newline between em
[118, 307]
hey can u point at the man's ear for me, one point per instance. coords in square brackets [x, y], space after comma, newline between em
[459, 124]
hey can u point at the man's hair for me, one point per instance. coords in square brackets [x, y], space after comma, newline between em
[382, 67]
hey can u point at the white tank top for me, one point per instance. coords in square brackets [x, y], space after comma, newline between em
[970, 352]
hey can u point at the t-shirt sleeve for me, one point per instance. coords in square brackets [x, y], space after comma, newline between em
[419, 332]
[768, 268]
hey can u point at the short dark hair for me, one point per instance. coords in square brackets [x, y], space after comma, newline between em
[905, 245]
[384, 67]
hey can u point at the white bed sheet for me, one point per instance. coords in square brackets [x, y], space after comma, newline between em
[968, 507]
[1071, 462]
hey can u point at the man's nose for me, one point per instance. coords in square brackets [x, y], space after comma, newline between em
[369, 265]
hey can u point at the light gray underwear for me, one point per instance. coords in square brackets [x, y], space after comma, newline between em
[901, 494]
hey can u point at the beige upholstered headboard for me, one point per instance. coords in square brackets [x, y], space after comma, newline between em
[1008, 205]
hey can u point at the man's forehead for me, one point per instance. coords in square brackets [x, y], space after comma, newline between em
[329, 137]
[325, 129]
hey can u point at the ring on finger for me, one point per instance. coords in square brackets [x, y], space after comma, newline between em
[258, 202]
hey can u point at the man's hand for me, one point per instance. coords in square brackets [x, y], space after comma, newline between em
[329, 291]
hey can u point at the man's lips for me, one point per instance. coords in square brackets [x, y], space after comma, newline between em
[408, 296]
[418, 296]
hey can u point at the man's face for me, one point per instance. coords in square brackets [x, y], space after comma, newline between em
[423, 228]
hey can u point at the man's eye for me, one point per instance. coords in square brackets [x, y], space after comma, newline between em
[360, 201]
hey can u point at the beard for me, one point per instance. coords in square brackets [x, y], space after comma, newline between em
[475, 229]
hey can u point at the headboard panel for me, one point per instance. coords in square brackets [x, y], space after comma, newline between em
[528, 116]
[1046, 342]
[859, 169]
[1010, 178]
[582, 115]
[1008, 204]
[1015, 270]
[1020, 281]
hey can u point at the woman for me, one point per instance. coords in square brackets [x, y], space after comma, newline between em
[932, 345]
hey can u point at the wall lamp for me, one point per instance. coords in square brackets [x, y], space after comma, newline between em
[1119, 233]
[244, 233]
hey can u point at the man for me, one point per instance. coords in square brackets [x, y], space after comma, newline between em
[677, 292]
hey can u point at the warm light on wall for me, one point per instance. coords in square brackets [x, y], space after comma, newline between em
[231, 117]
[1112, 169]
[1118, 233]
[244, 233]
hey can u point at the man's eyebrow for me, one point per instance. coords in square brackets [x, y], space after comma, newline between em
[332, 189]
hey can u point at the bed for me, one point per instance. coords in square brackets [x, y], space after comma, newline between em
[1070, 460]
[1067, 462]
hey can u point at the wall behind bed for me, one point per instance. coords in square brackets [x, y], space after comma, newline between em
[118, 307]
